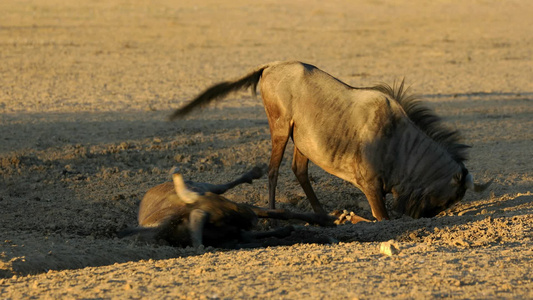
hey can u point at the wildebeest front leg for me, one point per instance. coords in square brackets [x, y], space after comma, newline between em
[197, 220]
[376, 199]
[300, 169]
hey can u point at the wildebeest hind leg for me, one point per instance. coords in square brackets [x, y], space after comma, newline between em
[279, 141]
[299, 167]
[277, 233]
[281, 214]
[248, 177]
[251, 239]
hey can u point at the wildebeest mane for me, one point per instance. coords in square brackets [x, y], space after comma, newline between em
[426, 120]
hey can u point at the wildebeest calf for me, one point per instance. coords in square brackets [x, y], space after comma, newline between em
[186, 213]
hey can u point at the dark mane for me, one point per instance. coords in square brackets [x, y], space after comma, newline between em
[426, 120]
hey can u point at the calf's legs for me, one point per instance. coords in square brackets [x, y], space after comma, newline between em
[248, 177]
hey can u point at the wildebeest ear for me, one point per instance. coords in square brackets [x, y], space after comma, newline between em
[457, 179]
[180, 187]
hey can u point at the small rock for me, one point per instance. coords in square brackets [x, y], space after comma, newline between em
[460, 242]
[389, 248]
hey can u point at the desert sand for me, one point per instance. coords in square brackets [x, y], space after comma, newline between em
[85, 90]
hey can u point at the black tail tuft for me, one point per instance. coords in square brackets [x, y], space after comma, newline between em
[219, 91]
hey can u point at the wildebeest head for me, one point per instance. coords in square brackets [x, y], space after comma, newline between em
[424, 204]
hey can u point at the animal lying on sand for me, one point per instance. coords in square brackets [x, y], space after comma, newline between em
[186, 213]
[379, 138]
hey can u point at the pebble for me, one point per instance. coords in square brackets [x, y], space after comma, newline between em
[389, 248]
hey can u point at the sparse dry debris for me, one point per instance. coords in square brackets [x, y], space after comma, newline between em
[346, 216]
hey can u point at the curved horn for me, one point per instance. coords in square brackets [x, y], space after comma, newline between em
[481, 187]
[469, 182]
[180, 187]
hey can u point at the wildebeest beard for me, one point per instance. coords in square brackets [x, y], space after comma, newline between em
[421, 202]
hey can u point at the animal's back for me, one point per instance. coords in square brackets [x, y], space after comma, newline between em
[158, 204]
[331, 120]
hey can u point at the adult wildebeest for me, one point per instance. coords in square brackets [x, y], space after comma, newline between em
[186, 213]
[379, 138]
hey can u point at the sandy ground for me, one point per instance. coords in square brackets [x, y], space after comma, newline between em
[85, 87]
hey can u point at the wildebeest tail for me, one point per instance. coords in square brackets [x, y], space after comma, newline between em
[221, 90]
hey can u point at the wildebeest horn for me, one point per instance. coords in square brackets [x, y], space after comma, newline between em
[180, 187]
[469, 182]
[481, 187]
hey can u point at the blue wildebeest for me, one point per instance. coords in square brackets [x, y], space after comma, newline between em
[186, 213]
[379, 138]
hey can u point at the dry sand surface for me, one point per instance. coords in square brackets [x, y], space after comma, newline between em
[85, 89]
